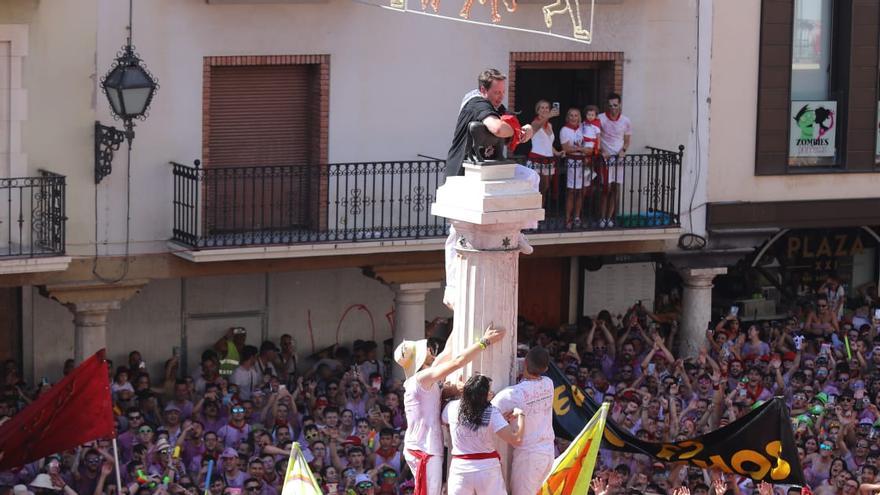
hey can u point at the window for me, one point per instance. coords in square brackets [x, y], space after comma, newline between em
[264, 142]
[818, 82]
[815, 101]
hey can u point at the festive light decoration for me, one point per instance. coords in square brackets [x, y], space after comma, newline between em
[581, 22]
[574, 12]
[496, 17]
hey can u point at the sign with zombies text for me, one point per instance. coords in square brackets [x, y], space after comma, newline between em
[813, 127]
[759, 445]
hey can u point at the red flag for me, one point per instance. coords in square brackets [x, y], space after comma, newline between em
[74, 411]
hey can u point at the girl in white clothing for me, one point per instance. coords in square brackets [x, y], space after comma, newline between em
[473, 423]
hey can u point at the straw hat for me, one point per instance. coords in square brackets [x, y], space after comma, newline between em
[411, 355]
[44, 481]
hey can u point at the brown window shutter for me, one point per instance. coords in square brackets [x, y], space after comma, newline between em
[862, 119]
[262, 147]
[774, 87]
[261, 115]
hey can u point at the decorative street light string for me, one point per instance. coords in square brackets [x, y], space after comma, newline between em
[406, 10]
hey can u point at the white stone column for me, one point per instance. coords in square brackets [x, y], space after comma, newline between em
[90, 327]
[488, 207]
[90, 304]
[409, 314]
[696, 307]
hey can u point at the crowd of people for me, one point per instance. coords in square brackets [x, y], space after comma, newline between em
[228, 427]
[359, 426]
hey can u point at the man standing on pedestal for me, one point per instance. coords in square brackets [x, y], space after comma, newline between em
[482, 105]
[533, 458]
[425, 373]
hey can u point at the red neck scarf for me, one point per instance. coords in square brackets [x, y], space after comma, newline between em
[573, 127]
[613, 119]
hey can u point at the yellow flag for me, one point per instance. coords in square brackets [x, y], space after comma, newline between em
[573, 470]
[299, 480]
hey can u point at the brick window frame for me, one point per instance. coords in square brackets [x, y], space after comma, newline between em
[859, 114]
[613, 79]
[323, 104]
[317, 218]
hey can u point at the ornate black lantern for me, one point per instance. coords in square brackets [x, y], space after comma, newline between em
[129, 87]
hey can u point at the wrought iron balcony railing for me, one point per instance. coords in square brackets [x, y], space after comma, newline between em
[351, 202]
[33, 223]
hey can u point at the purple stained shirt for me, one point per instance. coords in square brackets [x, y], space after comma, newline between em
[213, 424]
[186, 409]
[126, 443]
[232, 436]
[236, 481]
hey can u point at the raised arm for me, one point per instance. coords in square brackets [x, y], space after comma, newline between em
[612, 349]
[439, 373]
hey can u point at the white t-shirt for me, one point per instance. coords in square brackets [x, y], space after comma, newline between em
[542, 142]
[468, 441]
[613, 132]
[535, 398]
[571, 136]
[423, 421]
[590, 133]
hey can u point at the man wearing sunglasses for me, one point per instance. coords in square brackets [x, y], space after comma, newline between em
[126, 440]
[363, 485]
[616, 136]
[236, 430]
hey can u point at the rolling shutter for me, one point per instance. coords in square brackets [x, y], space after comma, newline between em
[259, 115]
[262, 148]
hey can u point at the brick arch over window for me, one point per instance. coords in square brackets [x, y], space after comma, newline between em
[610, 65]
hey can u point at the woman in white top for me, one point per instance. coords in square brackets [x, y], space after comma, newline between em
[542, 157]
[473, 423]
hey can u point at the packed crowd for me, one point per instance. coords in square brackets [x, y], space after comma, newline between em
[247, 404]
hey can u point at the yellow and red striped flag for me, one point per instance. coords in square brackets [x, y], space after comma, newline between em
[299, 480]
[573, 470]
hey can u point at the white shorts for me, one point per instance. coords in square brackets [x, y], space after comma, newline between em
[576, 173]
[435, 471]
[541, 168]
[528, 471]
[487, 481]
[615, 169]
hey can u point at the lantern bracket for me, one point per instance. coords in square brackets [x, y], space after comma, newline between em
[107, 141]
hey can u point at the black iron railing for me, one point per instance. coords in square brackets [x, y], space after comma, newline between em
[33, 223]
[348, 202]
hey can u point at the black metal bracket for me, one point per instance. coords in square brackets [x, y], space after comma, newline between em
[107, 141]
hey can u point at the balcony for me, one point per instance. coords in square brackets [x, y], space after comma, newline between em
[32, 224]
[306, 208]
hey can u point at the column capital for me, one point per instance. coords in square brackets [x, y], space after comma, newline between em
[416, 287]
[407, 275]
[701, 277]
[93, 296]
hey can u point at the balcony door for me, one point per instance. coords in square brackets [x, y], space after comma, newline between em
[262, 134]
